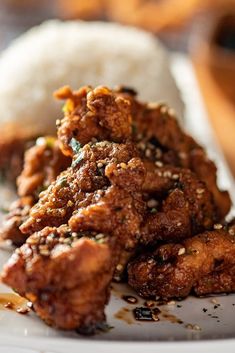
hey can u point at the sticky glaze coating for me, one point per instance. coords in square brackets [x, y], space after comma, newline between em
[66, 277]
[42, 163]
[203, 264]
[132, 182]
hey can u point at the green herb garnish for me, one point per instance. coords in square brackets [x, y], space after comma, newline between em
[78, 159]
[62, 181]
[75, 145]
[153, 210]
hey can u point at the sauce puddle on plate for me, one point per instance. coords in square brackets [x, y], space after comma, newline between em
[14, 302]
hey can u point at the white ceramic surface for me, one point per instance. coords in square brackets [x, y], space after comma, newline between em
[27, 334]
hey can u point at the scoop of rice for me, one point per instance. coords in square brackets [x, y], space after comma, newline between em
[78, 53]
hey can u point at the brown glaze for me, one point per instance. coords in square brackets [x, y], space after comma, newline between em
[125, 315]
[14, 302]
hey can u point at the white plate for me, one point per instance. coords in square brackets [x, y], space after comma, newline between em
[28, 334]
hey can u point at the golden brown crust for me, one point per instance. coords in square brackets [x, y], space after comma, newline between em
[43, 162]
[187, 209]
[204, 264]
[133, 181]
[66, 278]
[93, 114]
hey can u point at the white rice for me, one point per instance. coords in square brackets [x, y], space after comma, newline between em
[78, 53]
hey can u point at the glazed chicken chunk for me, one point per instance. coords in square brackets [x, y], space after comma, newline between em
[203, 264]
[100, 194]
[42, 163]
[65, 275]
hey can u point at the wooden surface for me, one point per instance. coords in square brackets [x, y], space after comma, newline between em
[221, 112]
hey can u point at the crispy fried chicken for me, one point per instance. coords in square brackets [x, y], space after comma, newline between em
[133, 181]
[204, 264]
[43, 162]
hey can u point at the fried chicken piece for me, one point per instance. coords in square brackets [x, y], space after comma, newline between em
[187, 209]
[104, 195]
[98, 173]
[60, 278]
[204, 264]
[18, 213]
[93, 114]
[160, 138]
[43, 162]
[106, 204]
[104, 114]
[65, 275]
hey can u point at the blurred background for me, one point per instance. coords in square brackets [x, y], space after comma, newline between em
[202, 29]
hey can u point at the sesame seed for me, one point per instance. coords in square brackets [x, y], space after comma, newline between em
[214, 301]
[100, 165]
[200, 191]
[218, 226]
[197, 327]
[152, 203]
[151, 261]
[167, 174]
[141, 146]
[181, 251]
[179, 224]
[159, 164]
[119, 267]
[189, 326]
[31, 241]
[45, 252]
[148, 152]
[231, 232]
[99, 236]
[171, 302]
[123, 165]
[175, 177]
